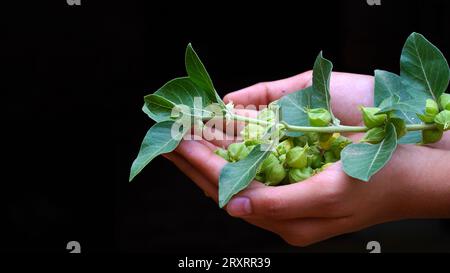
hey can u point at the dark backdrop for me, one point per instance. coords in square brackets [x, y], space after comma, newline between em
[71, 122]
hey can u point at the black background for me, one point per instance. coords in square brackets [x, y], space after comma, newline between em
[72, 88]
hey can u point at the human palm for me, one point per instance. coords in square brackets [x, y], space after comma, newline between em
[329, 203]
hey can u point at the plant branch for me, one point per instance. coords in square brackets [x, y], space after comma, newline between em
[328, 129]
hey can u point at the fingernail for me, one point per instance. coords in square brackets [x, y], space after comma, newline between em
[239, 206]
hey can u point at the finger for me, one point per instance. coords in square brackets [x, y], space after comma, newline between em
[202, 159]
[317, 196]
[209, 188]
[266, 92]
[348, 91]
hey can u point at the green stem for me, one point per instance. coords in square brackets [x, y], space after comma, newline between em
[328, 129]
[251, 120]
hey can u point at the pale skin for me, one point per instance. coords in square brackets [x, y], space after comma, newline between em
[414, 184]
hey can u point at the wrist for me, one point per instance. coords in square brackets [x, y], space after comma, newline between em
[420, 183]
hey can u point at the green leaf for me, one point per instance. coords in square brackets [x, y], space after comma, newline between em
[293, 108]
[406, 108]
[179, 91]
[424, 67]
[321, 83]
[158, 140]
[388, 84]
[235, 177]
[363, 160]
[198, 74]
[391, 93]
[161, 107]
[294, 105]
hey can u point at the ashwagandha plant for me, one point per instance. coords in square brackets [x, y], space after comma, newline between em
[298, 135]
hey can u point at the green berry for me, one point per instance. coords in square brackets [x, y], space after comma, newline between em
[442, 120]
[319, 117]
[237, 151]
[260, 177]
[274, 174]
[271, 159]
[371, 118]
[297, 157]
[297, 175]
[444, 101]
[284, 146]
[315, 161]
[431, 110]
[338, 145]
[431, 136]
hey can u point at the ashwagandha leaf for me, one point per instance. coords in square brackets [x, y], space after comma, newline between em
[179, 91]
[158, 140]
[321, 83]
[198, 74]
[235, 177]
[391, 93]
[293, 108]
[183, 90]
[363, 160]
[424, 67]
[161, 107]
[387, 85]
[407, 107]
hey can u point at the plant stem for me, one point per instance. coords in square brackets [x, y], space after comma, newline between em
[251, 120]
[328, 129]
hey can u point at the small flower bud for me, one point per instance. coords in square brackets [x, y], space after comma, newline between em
[444, 101]
[297, 157]
[297, 175]
[319, 117]
[431, 110]
[374, 135]
[371, 118]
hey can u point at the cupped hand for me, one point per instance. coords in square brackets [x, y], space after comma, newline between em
[414, 184]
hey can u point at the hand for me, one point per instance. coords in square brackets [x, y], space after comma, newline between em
[414, 184]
